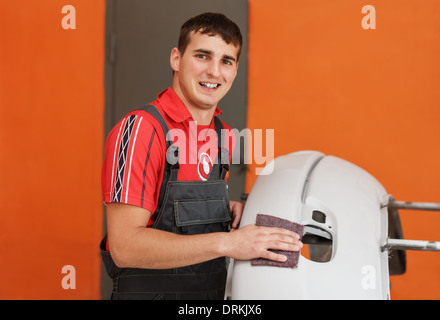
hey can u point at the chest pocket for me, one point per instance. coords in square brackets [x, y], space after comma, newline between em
[195, 216]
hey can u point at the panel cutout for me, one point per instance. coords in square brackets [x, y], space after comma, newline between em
[318, 244]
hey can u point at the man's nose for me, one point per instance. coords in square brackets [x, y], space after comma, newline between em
[214, 69]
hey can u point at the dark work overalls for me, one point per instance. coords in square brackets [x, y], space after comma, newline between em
[184, 207]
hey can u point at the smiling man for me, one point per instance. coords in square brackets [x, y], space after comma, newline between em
[171, 224]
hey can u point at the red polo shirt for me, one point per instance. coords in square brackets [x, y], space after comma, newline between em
[135, 151]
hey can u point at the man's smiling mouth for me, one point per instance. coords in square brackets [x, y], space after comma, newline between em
[209, 85]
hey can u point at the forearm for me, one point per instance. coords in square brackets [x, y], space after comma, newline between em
[132, 245]
[156, 249]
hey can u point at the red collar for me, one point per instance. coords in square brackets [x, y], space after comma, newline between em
[174, 107]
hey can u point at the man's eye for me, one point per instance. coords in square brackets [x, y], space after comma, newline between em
[201, 56]
[227, 62]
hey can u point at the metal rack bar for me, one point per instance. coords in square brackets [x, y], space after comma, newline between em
[414, 205]
[404, 244]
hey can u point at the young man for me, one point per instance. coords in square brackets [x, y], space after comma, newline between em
[168, 220]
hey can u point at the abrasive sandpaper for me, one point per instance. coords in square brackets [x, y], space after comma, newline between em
[292, 256]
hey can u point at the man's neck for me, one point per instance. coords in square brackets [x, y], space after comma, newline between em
[200, 115]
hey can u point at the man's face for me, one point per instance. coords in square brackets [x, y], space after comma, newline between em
[205, 72]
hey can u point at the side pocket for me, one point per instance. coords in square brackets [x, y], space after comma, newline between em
[110, 266]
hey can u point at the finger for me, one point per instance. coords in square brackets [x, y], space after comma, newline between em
[276, 230]
[274, 256]
[237, 211]
[285, 246]
[280, 234]
[285, 238]
[235, 222]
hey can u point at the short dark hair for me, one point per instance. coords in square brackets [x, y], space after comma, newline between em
[211, 24]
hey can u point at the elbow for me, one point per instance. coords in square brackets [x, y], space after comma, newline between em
[120, 257]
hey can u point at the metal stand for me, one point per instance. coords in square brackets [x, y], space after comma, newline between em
[403, 244]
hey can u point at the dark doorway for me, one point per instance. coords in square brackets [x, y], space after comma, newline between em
[139, 37]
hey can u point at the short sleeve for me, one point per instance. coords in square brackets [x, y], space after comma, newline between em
[133, 162]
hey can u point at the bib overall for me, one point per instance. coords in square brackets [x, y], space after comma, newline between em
[184, 207]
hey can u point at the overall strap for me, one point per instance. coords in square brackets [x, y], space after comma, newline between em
[151, 109]
[172, 153]
[223, 154]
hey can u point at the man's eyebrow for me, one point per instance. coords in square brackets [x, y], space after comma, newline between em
[225, 56]
[205, 51]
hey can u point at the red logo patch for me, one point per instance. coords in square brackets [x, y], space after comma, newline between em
[204, 166]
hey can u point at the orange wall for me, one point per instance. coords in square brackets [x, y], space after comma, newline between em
[368, 96]
[51, 135]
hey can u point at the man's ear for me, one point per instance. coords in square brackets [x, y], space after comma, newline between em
[175, 59]
[236, 70]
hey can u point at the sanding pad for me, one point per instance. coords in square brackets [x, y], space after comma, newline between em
[292, 256]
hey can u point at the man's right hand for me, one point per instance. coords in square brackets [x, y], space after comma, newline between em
[253, 241]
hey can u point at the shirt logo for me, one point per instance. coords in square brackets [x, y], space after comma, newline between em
[204, 166]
